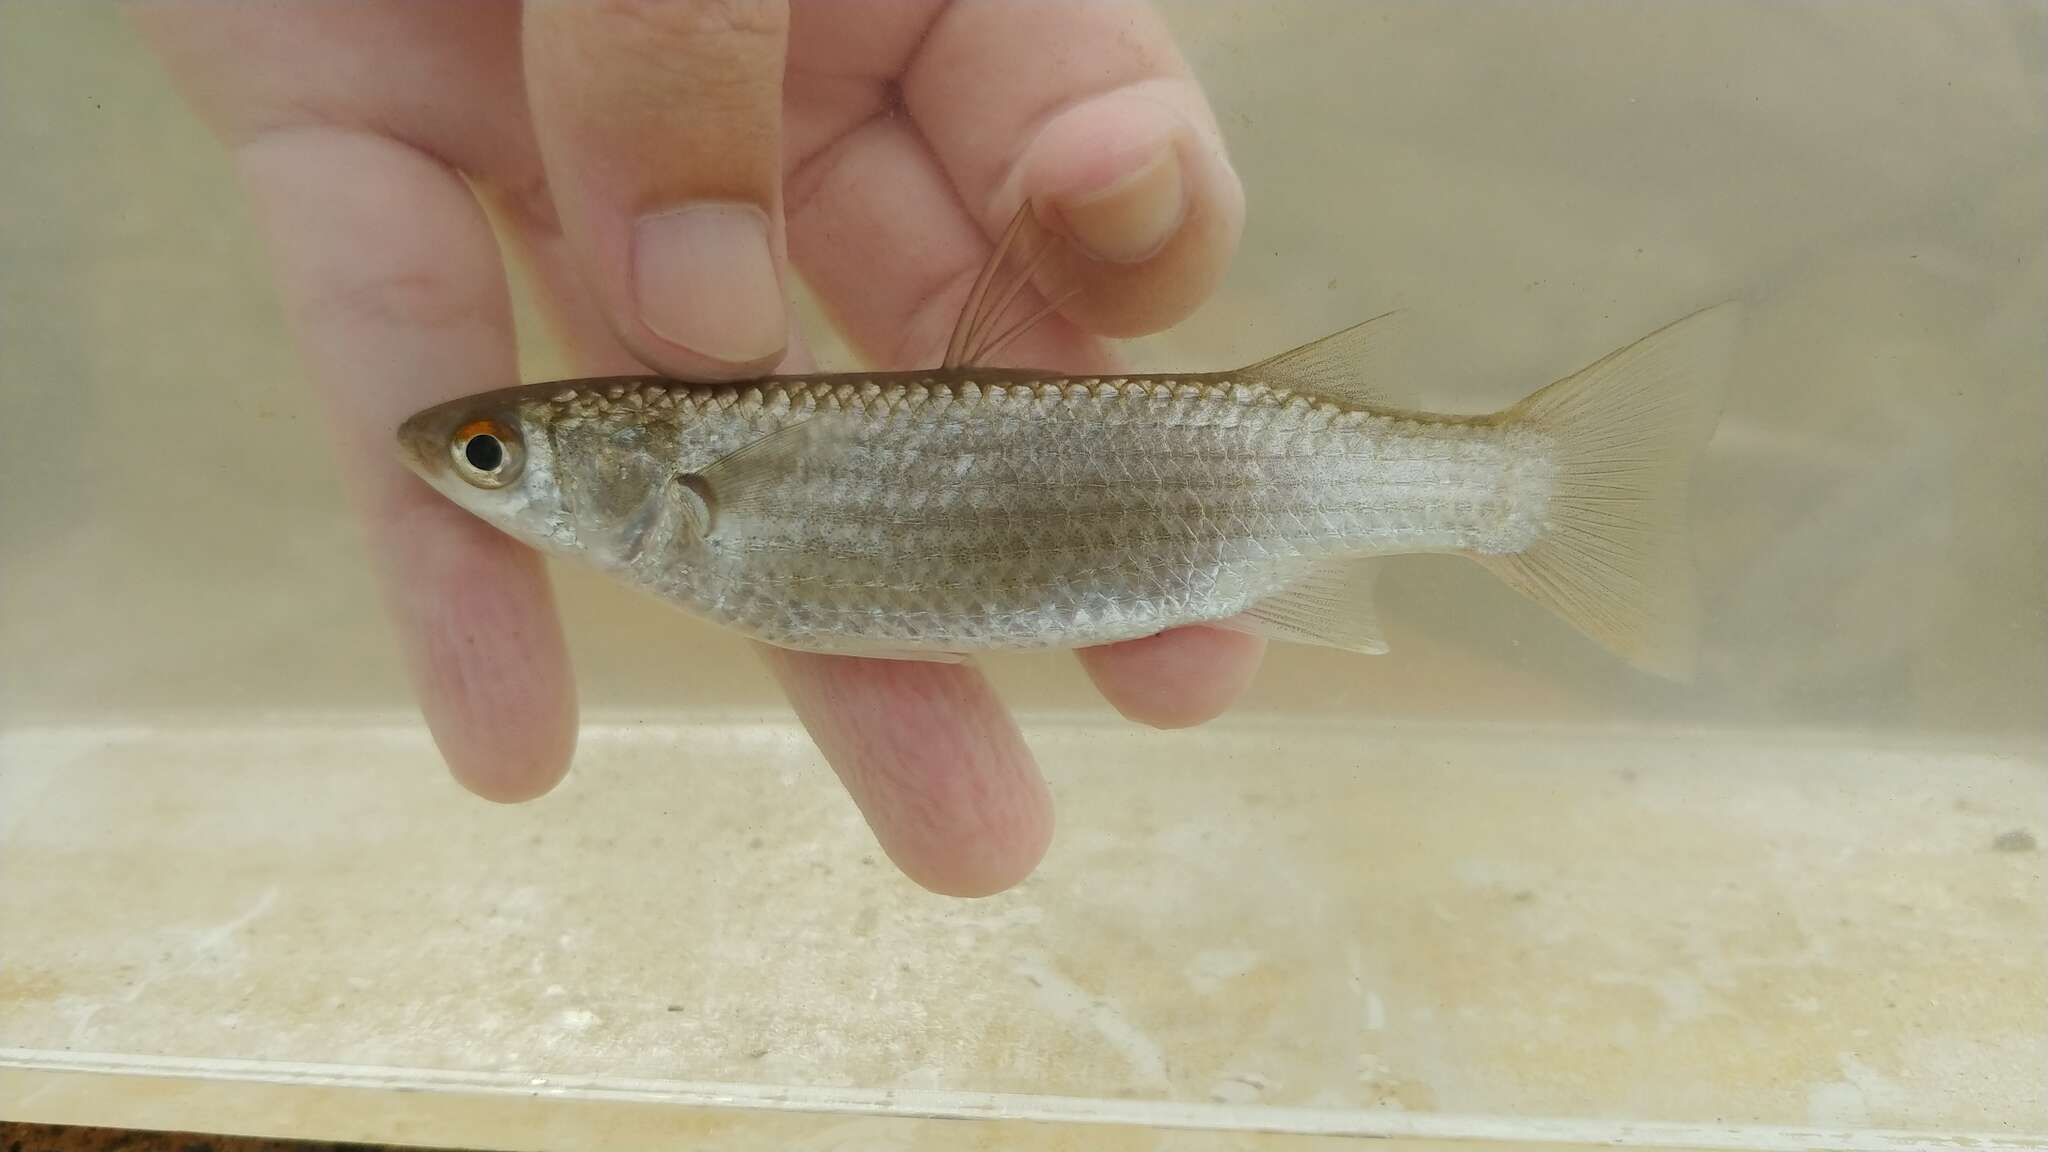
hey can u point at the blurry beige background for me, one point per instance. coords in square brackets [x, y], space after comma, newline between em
[1805, 891]
[1536, 184]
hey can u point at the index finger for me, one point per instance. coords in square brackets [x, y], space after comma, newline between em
[391, 278]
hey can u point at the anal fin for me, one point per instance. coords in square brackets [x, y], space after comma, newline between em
[1330, 606]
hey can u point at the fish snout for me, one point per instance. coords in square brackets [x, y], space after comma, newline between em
[423, 443]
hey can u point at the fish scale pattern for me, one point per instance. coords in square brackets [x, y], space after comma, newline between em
[1018, 512]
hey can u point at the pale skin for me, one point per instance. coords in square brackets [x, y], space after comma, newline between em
[666, 167]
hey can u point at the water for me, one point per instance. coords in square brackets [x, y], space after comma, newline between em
[1493, 886]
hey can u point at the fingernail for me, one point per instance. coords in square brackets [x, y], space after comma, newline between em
[1133, 218]
[705, 277]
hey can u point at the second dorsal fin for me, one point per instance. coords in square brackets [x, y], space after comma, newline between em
[1353, 367]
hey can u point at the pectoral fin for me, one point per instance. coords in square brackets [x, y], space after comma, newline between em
[747, 481]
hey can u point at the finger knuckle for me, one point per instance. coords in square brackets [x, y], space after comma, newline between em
[409, 296]
[722, 55]
[692, 25]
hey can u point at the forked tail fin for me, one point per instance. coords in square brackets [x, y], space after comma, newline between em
[1615, 559]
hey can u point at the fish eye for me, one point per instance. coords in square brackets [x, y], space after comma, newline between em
[486, 453]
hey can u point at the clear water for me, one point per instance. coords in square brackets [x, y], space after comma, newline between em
[1493, 886]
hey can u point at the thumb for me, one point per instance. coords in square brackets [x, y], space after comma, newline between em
[659, 125]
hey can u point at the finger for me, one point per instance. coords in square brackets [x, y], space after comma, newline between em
[933, 761]
[927, 752]
[1086, 107]
[882, 237]
[659, 125]
[1176, 679]
[391, 280]
[444, 77]
[930, 756]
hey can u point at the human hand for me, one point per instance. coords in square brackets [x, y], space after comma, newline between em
[660, 164]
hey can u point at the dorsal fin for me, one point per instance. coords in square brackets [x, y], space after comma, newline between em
[1351, 367]
[1006, 279]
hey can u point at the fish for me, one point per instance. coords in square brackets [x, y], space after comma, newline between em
[970, 508]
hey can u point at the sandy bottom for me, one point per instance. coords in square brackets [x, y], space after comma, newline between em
[1400, 930]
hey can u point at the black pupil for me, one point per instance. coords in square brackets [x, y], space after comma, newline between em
[484, 453]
